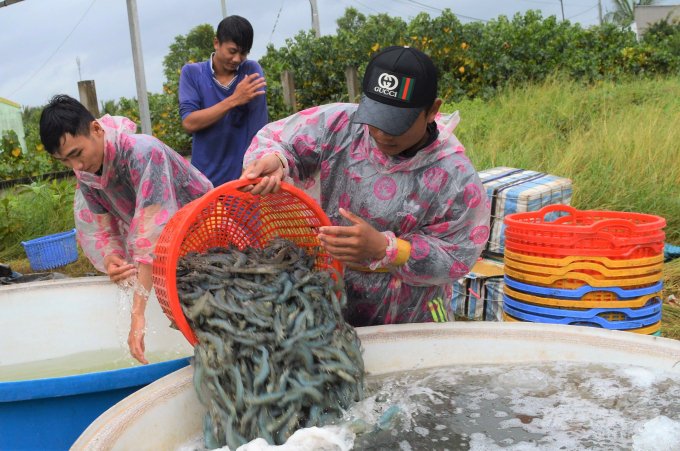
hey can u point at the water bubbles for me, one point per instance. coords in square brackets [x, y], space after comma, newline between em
[422, 431]
[658, 434]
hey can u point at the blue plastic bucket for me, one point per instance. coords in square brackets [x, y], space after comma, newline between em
[50, 414]
[52, 251]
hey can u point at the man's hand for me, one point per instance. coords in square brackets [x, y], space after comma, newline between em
[268, 167]
[118, 269]
[355, 243]
[248, 89]
[136, 338]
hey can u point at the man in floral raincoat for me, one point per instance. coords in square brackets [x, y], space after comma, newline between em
[409, 213]
[128, 187]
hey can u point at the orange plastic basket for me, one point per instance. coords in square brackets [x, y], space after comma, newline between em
[584, 241]
[547, 251]
[226, 215]
[616, 224]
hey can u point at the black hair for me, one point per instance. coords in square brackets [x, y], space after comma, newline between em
[62, 115]
[238, 30]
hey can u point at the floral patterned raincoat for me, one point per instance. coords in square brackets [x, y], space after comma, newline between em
[143, 183]
[434, 200]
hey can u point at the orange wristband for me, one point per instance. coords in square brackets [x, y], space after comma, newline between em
[403, 254]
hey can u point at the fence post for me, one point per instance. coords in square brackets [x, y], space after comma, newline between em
[289, 89]
[352, 84]
[88, 96]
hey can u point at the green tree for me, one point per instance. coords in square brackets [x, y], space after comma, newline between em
[352, 21]
[110, 107]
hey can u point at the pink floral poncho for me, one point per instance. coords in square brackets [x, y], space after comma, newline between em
[143, 183]
[434, 200]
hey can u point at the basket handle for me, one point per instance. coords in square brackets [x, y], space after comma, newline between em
[594, 228]
[240, 183]
[558, 207]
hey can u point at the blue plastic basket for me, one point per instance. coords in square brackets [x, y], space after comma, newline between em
[581, 318]
[579, 292]
[52, 251]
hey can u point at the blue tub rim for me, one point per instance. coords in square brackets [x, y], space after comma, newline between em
[26, 390]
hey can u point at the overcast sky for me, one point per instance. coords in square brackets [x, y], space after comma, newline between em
[34, 29]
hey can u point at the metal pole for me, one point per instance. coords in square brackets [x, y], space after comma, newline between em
[599, 10]
[315, 18]
[224, 10]
[138, 60]
[352, 84]
[562, 3]
[9, 2]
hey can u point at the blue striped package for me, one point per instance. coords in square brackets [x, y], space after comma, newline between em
[512, 190]
[478, 298]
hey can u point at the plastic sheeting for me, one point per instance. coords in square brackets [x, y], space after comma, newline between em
[143, 184]
[434, 200]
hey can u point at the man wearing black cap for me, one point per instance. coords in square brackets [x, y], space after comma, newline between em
[409, 213]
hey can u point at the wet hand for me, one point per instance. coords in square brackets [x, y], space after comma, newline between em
[249, 88]
[136, 338]
[118, 269]
[268, 167]
[354, 243]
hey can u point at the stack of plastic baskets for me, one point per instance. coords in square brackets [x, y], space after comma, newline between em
[588, 268]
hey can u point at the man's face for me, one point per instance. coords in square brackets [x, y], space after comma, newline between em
[394, 145]
[83, 153]
[228, 55]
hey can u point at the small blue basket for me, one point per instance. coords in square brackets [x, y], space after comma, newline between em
[52, 251]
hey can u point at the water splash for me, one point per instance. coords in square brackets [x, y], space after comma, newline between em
[126, 292]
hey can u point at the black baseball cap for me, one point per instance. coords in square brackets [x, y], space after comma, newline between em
[399, 82]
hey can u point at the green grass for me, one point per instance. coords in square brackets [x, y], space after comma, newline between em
[34, 215]
[619, 143]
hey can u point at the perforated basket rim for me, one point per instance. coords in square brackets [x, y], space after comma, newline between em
[175, 242]
[516, 220]
[49, 238]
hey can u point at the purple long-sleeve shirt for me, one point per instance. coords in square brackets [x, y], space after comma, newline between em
[218, 150]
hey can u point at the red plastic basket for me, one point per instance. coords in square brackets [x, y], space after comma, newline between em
[226, 215]
[547, 251]
[618, 224]
[583, 241]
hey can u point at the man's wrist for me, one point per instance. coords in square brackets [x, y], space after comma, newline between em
[228, 104]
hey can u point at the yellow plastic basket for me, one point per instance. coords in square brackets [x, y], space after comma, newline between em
[593, 269]
[604, 261]
[580, 304]
[649, 330]
[572, 280]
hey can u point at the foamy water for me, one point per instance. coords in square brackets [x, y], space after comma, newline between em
[527, 407]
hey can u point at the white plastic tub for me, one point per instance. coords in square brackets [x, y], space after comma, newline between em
[167, 413]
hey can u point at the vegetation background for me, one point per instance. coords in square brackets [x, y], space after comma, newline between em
[594, 105]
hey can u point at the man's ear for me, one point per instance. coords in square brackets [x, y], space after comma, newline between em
[434, 110]
[216, 43]
[96, 128]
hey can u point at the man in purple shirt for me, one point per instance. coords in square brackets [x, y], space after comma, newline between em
[223, 103]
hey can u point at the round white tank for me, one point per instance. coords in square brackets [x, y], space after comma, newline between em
[167, 413]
